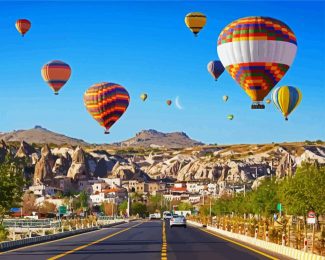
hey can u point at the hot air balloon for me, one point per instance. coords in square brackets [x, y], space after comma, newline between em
[286, 99]
[195, 22]
[215, 68]
[169, 102]
[268, 101]
[257, 52]
[143, 96]
[106, 103]
[56, 73]
[225, 98]
[230, 117]
[23, 26]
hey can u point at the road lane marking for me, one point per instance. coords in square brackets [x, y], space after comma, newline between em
[164, 242]
[239, 244]
[90, 244]
[48, 242]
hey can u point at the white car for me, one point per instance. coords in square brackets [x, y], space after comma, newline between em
[154, 216]
[177, 221]
[167, 216]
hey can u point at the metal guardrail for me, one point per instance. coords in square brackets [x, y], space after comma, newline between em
[34, 240]
[31, 223]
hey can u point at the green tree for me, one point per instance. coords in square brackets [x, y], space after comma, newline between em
[11, 185]
[123, 207]
[305, 190]
[139, 208]
[185, 206]
[265, 198]
[83, 197]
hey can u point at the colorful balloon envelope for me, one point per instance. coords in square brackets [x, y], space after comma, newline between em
[23, 26]
[106, 103]
[56, 73]
[225, 98]
[286, 99]
[195, 22]
[144, 96]
[257, 52]
[215, 68]
[169, 102]
[230, 117]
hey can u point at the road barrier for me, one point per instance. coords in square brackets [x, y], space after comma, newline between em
[193, 223]
[279, 249]
[35, 240]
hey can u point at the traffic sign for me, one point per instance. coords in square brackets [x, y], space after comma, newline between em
[311, 217]
[279, 207]
[62, 209]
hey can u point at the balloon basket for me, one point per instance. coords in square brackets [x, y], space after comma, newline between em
[56, 93]
[258, 106]
[106, 132]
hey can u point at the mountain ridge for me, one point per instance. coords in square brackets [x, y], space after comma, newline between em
[145, 138]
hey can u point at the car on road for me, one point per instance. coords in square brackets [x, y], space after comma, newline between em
[155, 216]
[167, 215]
[177, 221]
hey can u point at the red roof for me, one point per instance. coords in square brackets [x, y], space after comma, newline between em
[179, 189]
[111, 190]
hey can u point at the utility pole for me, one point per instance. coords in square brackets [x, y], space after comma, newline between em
[128, 207]
[244, 190]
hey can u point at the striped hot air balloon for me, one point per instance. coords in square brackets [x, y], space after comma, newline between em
[195, 22]
[56, 73]
[106, 103]
[23, 26]
[286, 99]
[215, 68]
[257, 52]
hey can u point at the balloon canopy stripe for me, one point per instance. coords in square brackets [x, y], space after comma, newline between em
[56, 73]
[106, 102]
[257, 79]
[257, 28]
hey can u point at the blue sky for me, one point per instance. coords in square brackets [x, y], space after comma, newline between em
[146, 47]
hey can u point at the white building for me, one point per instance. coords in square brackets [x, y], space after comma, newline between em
[42, 190]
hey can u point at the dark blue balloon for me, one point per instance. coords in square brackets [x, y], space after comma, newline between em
[215, 68]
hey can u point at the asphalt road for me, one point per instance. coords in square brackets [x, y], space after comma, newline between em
[138, 241]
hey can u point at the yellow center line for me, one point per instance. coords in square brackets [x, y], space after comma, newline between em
[164, 243]
[240, 244]
[90, 244]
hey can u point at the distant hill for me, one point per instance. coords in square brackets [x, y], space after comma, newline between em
[40, 135]
[155, 139]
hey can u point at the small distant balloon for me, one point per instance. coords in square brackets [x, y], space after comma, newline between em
[225, 98]
[268, 101]
[286, 99]
[23, 26]
[195, 22]
[215, 68]
[144, 96]
[169, 102]
[230, 117]
[56, 73]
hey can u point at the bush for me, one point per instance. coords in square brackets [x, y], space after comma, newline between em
[3, 233]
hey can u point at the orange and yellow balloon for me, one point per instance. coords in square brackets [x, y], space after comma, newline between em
[23, 26]
[195, 22]
[56, 73]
